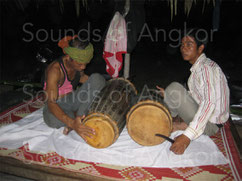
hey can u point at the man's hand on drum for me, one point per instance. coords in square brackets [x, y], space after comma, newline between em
[161, 90]
[81, 129]
[180, 145]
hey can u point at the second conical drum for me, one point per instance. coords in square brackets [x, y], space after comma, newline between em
[148, 117]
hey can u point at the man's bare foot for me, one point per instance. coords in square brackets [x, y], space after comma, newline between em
[179, 126]
[66, 130]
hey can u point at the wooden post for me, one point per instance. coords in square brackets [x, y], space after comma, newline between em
[126, 65]
[127, 55]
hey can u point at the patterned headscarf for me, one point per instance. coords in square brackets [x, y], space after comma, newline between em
[81, 56]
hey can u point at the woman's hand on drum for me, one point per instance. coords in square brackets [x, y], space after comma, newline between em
[180, 145]
[81, 129]
[162, 91]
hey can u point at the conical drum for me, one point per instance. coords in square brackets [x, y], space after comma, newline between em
[148, 117]
[108, 110]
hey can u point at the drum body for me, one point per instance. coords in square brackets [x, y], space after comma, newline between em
[107, 113]
[148, 117]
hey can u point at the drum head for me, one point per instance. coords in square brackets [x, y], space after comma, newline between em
[145, 120]
[104, 132]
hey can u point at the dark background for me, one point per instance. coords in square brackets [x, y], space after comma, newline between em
[152, 62]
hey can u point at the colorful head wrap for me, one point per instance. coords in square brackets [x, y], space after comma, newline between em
[81, 56]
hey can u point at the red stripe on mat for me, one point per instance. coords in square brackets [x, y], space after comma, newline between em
[232, 153]
[38, 98]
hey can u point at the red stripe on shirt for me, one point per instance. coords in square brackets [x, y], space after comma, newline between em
[207, 109]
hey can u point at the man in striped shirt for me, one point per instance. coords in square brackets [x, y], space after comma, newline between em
[205, 106]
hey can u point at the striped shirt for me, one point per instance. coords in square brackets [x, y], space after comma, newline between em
[208, 87]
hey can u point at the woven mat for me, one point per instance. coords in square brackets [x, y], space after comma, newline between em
[223, 139]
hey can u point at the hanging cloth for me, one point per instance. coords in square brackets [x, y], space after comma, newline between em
[115, 45]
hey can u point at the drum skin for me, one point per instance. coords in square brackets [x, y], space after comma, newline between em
[107, 113]
[147, 118]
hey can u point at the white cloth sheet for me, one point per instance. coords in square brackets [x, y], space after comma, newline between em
[124, 152]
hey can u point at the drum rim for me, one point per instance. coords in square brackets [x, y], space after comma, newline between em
[108, 119]
[126, 80]
[151, 103]
[148, 102]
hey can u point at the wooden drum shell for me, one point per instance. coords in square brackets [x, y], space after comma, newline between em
[107, 113]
